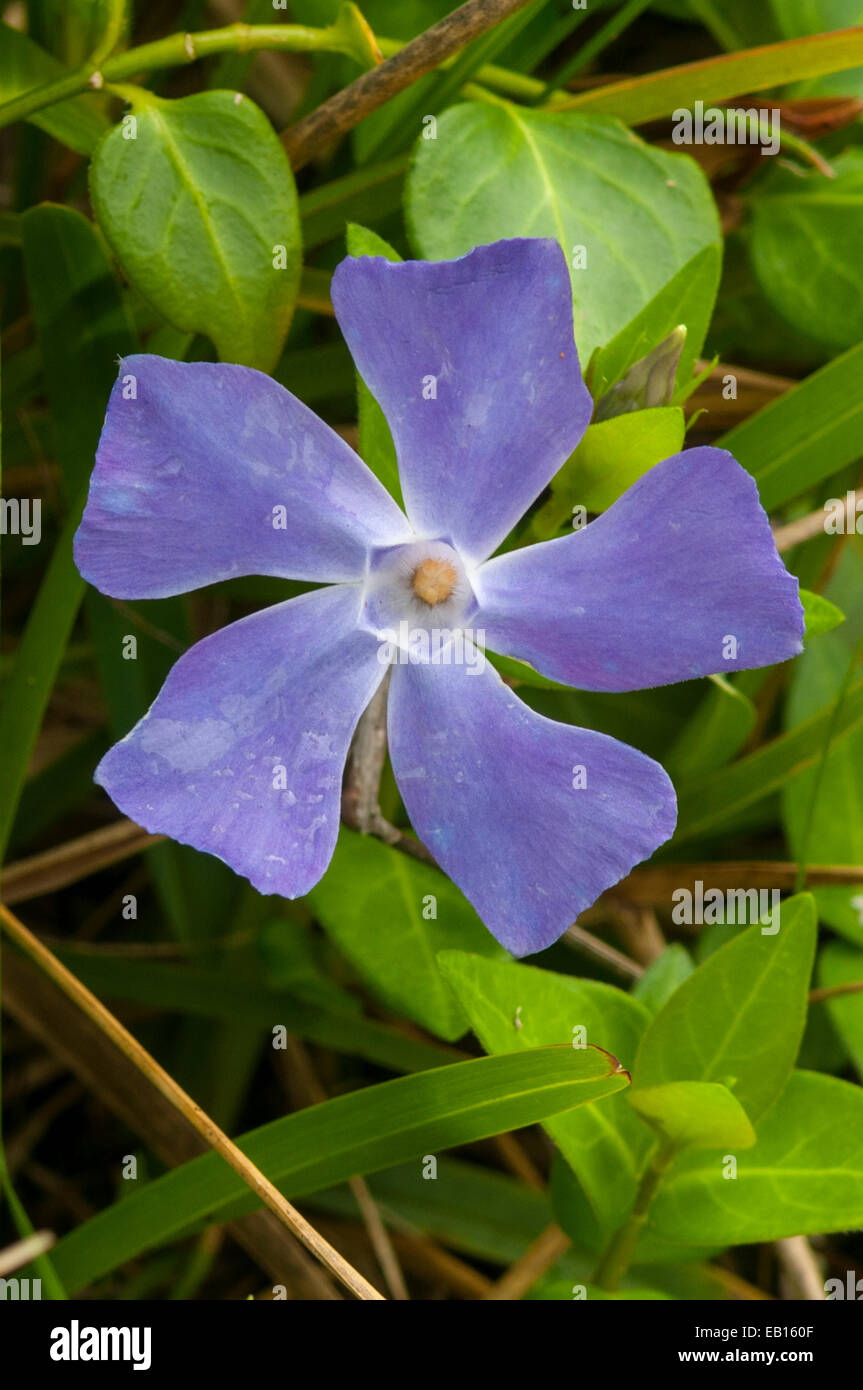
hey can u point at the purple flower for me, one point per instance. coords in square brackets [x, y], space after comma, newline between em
[209, 471]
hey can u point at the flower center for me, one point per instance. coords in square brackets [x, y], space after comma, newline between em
[434, 580]
[416, 589]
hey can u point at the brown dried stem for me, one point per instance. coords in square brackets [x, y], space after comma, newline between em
[208, 1130]
[322, 127]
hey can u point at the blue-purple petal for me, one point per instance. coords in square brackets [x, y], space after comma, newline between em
[196, 460]
[531, 818]
[679, 578]
[474, 364]
[242, 753]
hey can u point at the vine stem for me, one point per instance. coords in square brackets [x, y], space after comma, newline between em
[615, 1260]
[173, 51]
[178, 50]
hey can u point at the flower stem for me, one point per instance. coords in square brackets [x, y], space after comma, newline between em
[615, 1260]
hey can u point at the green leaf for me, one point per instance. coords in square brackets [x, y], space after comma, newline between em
[201, 210]
[662, 977]
[376, 441]
[839, 964]
[830, 831]
[712, 736]
[611, 456]
[500, 171]
[821, 615]
[713, 79]
[694, 1115]
[391, 915]
[739, 1018]
[710, 802]
[803, 1176]
[512, 1005]
[687, 298]
[78, 122]
[804, 435]
[357, 1133]
[740, 24]
[805, 240]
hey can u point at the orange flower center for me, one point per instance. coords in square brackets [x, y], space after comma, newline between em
[434, 581]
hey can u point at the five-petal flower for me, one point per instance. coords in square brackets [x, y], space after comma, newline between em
[243, 752]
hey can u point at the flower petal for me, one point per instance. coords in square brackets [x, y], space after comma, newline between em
[242, 753]
[190, 469]
[654, 590]
[489, 787]
[491, 334]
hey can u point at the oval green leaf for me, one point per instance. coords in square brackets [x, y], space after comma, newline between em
[628, 216]
[198, 201]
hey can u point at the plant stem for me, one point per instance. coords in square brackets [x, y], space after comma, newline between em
[324, 126]
[173, 51]
[615, 1261]
[512, 84]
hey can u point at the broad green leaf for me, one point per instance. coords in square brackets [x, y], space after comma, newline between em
[662, 977]
[805, 435]
[712, 736]
[201, 210]
[805, 243]
[611, 456]
[739, 1018]
[821, 615]
[78, 122]
[687, 298]
[839, 964]
[512, 1005]
[357, 1133]
[391, 915]
[803, 1176]
[500, 171]
[694, 1115]
[376, 441]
